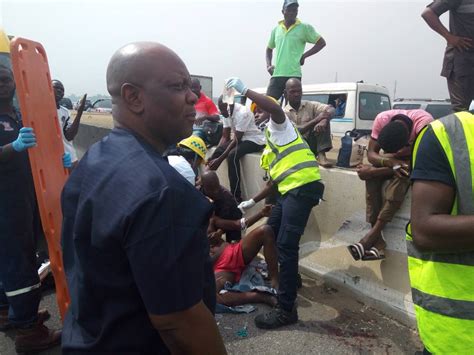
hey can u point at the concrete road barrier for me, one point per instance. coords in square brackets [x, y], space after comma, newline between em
[335, 223]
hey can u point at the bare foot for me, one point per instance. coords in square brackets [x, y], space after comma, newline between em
[322, 160]
[380, 244]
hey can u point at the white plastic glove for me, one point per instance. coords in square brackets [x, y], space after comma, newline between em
[245, 205]
[237, 84]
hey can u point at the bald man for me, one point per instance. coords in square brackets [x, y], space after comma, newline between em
[312, 119]
[134, 238]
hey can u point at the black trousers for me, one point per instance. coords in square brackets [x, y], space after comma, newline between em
[276, 87]
[19, 228]
[233, 162]
[288, 222]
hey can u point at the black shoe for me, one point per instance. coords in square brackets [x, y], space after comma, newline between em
[299, 281]
[276, 318]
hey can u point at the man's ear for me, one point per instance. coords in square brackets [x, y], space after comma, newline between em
[132, 96]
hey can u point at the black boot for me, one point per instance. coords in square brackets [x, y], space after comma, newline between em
[43, 316]
[276, 318]
[36, 338]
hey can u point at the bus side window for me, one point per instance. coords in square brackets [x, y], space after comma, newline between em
[338, 101]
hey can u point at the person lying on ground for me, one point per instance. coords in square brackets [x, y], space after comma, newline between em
[230, 260]
[394, 132]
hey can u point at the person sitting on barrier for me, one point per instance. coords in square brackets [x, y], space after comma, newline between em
[69, 129]
[312, 118]
[188, 157]
[230, 260]
[20, 226]
[247, 138]
[394, 132]
[207, 115]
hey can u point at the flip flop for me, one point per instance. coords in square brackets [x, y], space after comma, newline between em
[373, 254]
[357, 251]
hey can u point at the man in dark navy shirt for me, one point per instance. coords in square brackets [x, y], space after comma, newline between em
[136, 254]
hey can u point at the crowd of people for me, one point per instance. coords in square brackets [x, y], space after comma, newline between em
[151, 240]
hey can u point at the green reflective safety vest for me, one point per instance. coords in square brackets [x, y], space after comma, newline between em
[291, 165]
[442, 284]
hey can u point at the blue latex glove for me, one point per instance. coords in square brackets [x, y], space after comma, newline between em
[237, 84]
[67, 161]
[26, 139]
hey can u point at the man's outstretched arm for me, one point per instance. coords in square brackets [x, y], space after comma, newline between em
[71, 132]
[236, 224]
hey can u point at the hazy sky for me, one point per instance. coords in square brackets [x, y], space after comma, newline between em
[375, 41]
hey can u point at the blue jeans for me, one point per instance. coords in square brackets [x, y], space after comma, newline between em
[288, 221]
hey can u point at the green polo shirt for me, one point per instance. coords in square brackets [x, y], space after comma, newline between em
[289, 44]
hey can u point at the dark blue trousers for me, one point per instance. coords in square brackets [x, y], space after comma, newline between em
[288, 221]
[19, 282]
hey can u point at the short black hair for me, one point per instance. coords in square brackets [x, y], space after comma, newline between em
[187, 153]
[393, 137]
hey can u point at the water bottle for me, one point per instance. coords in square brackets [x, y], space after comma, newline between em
[228, 95]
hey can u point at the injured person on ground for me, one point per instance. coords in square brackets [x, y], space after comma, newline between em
[231, 259]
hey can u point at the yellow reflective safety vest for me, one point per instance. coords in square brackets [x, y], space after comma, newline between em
[442, 284]
[291, 165]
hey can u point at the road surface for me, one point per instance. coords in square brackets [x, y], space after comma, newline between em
[331, 321]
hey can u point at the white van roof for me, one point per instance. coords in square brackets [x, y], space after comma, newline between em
[349, 86]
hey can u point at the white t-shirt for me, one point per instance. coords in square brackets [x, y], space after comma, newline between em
[282, 133]
[243, 120]
[64, 123]
[181, 165]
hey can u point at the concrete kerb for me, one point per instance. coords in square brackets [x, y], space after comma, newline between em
[375, 300]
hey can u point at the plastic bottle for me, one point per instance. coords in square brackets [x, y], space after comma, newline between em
[228, 95]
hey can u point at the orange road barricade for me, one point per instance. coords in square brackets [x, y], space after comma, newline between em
[38, 109]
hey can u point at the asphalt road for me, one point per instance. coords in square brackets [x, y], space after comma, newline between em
[331, 322]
